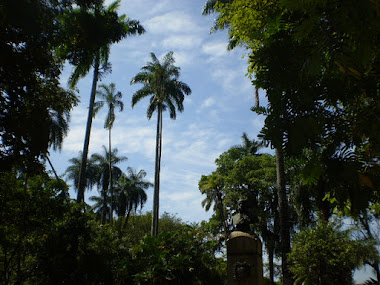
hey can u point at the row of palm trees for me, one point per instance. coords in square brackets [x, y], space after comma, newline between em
[129, 188]
[160, 83]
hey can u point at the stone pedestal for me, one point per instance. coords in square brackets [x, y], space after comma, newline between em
[244, 259]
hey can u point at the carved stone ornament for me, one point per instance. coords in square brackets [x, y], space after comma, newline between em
[242, 270]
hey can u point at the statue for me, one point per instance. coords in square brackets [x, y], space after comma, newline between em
[244, 250]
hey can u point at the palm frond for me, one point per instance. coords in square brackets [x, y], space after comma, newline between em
[168, 61]
[173, 71]
[140, 94]
[79, 71]
[118, 96]
[59, 126]
[104, 56]
[132, 27]
[154, 58]
[97, 106]
[113, 6]
[143, 77]
[172, 109]
[153, 106]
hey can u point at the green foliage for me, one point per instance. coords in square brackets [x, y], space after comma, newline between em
[318, 62]
[139, 225]
[29, 80]
[130, 192]
[89, 34]
[244, 183]
[46, 238]
[241, 177]
[29, 207]
[176, 258]
[325, 255]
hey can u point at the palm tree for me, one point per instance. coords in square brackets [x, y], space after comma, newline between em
[131, 192]
[209, 8]
[92, 48]
[72, 172]
[160, 81]
[248, 146]
[58, 122]
[212, 186]
[103, 177]
[101, 206]
[108, 96]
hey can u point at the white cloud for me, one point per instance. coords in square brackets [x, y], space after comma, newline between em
[182, 42]
[183, 58]
[171, 22]
[179, 196]
[233, 81]
[136, 140]
[210, 101]
[215, 49]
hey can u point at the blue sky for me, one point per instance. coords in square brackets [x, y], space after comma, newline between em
[215, 116]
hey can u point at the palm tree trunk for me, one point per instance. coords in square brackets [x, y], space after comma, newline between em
[110, 176]
[51, 165]
[257, 102]
[156, 194]
[127, 217]
[104, 210]
[219, 201]
[82, 173]
[284, 216]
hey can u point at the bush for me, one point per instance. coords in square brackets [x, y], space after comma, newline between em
[324, 255]
[177, 258]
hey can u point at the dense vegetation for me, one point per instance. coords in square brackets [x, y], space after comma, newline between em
[318, 62]
[46, 238]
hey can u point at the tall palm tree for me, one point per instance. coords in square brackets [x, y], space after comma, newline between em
[99, 27]
[108, 96]
[131, 192]
[103, 177]
[160, 81]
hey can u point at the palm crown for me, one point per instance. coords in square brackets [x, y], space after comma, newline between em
[161, 83]
[94, 30]
[103, 161]
[108, 96]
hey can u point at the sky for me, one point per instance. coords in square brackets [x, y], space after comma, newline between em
[215, 114]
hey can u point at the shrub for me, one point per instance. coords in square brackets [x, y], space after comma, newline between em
[324, 255]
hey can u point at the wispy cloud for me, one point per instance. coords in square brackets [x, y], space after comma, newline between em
[210, 101]
[215, 49]
[171, 22]
[182, 42]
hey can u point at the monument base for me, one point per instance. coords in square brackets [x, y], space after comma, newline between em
[244, 259]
